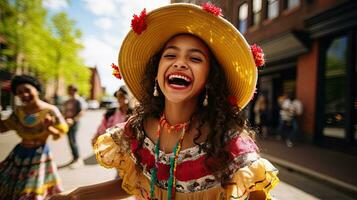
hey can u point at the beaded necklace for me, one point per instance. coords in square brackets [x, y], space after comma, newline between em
[173, 160]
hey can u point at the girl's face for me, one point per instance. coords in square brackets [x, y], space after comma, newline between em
[121, 98]
[183, 68]
[27, 93]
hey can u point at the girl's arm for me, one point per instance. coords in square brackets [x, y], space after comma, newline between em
[55, 123]
[54, 132]
[105, 191]
[54, 127]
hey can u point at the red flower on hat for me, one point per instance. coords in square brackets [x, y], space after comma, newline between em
[212, 9]
[232, 100]
[258, 55]
[138, 23]
[116, 71]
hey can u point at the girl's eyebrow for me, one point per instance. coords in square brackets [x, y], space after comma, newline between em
[171, 47]
[191, 50]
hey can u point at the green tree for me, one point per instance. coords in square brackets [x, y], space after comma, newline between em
[47, 49]
[23, 27]
[7, 30]
[66, 59]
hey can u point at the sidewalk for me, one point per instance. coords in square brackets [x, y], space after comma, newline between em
[338, 169]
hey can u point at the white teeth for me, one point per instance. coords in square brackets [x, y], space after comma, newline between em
[179, 76]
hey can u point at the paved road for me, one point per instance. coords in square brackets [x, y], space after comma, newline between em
[293, 186]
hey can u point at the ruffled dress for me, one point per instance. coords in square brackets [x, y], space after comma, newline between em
[247, 171]
[29, 172]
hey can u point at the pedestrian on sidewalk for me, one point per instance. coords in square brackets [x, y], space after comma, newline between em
[187, 138]
[291, 110]
[117, 115]
[283, 118]
[73, 109]
[261, 115]
[296, 110]
[29, 171]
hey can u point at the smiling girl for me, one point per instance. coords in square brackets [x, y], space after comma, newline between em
[193, 73]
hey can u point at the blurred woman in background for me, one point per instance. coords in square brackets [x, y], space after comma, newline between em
[117, 115]
[29, 171]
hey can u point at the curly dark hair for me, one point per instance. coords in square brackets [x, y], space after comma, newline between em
[25, 79]
[122, 90]
[220, 116]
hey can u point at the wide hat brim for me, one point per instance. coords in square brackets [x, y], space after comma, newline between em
[227, 44]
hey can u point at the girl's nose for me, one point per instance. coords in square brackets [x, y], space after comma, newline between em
[180, 64]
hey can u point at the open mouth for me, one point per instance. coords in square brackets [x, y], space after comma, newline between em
[179, 80]
[26, 99]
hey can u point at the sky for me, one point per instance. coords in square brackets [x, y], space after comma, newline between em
[104, 24]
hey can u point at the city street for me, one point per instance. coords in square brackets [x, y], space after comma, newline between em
[292, 186]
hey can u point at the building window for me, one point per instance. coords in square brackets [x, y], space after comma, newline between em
[272, 9]
[292, 4]
[243, 18]
[335, 84]
[257, 8]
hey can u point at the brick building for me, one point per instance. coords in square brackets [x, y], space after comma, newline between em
[311, 49]
[96, 89]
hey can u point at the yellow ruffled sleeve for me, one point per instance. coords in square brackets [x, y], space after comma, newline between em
[259, 177]
[112, 147]
[112, 150]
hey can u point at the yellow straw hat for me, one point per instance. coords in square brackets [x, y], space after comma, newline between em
[226, 43]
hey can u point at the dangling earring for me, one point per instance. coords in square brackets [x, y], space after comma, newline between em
[156, 92]
[205, 101]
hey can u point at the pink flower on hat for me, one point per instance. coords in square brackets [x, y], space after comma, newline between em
[138, 23]
[116, 71]
[258, 55]
[212, 9]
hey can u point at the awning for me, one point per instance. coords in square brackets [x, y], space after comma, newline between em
[285, 46]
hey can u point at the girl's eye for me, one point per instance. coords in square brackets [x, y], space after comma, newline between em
[196, 59]
[169, 56]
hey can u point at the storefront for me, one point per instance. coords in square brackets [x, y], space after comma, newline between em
[336, 102]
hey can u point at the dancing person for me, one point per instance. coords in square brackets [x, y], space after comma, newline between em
[193, 73]
[29, 171]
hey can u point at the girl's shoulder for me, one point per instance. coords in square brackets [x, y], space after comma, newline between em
[242, 150]
[240, 142]
[247, 171]
[52, 109]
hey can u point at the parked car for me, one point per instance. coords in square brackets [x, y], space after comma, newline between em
[92, 104]
[109, 102]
